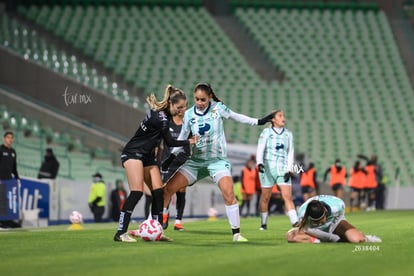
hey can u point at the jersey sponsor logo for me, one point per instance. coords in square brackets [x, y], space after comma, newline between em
[5, 153]
[143, 126]
[280, 146]
[203, 128]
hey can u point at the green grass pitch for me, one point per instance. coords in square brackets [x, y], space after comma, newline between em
[205, 248]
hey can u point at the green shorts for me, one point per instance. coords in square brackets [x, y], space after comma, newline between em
[272, 176]
[197, 169]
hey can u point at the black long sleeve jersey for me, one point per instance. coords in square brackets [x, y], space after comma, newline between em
[8, 166]
[152, 129]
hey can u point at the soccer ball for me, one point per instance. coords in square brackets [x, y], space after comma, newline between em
[75, 217]
[150, 230]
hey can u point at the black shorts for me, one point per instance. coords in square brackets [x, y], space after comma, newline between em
[337, 186]
[307, 189]
[172, 169]
[147, 160]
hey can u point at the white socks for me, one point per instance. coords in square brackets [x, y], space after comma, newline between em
[264, 216]
[233, 215]
[293, 216]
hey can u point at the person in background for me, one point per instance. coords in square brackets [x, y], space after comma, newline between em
[248, 181]
[338, 178]
[308, 182]
[50, 166]
[258, 190]
[8, 157]
[380, 193]
[164, 152]
[371, 183]
[96, 200]
[356, 182]
[275, 157]
[237, 187]
[118, 197]
[8, 170]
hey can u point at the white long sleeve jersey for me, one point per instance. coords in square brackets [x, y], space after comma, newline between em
[208, 125]
[275, 149]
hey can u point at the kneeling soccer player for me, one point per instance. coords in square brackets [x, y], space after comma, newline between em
[322, 220]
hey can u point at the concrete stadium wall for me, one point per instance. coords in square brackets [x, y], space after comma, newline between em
[67, 95]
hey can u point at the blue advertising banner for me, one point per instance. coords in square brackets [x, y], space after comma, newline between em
[34, 195]
[9, 200]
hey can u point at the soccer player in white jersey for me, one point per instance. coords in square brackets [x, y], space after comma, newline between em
[209, 154]
[322, 219]
[274, 156]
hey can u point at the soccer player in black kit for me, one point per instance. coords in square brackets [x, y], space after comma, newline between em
[165, 151]
[139, 157]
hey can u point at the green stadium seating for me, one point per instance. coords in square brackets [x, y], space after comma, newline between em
[28, 43]
[342, 64]
[347, 91]
[76, 161]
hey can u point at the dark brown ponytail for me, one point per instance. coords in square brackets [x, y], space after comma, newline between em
[207, 89]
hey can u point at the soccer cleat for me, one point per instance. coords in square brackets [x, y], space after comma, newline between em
[124, 238]
[263, 227]
[296, 224]
[372, 238]
[134, 233]
[165, 238]
[178, 227]
[165, 221]
[239, 238]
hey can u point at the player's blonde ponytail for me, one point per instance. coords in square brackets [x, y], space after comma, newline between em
[171, 94]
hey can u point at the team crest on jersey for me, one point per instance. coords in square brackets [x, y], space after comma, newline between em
[163, 116]
[214, 114]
